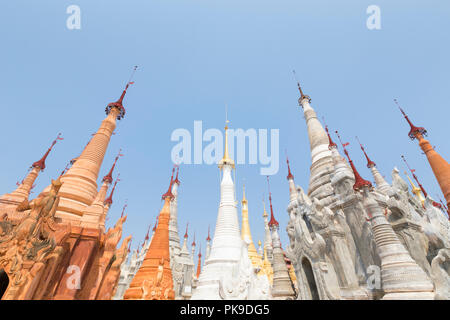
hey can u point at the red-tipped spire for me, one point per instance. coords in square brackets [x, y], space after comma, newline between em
[302, 96]
[148, 232]
[176, 178]
[41, 163]
[109, 200]
[118, 104]
[193, 242]
[108, 178]
[272, 221]
[186, 234]
[123, 209]
[331, 143]
[415, 177]
[290, 176]
[199, 263]
[129, 245]
[359, 181]
[156, 224]
[414, 130]
[169, 191]
[209, 237]
[370, 163]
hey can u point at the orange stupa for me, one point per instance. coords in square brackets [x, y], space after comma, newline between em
[439, 165]
[153, 281]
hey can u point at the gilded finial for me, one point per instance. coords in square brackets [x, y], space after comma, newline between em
[226, 158]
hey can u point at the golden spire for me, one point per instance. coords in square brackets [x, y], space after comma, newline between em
[417, 192]
[226, 158]
[264, 212]
[247, 235]
[244, 200]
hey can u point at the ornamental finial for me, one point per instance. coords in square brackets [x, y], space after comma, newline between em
[360, 183]
[370, 163]
[119, 103]
[415, 131]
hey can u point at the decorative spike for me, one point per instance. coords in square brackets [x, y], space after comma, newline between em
[290, 176]
[425, 194]
[169, 191]
[108, 178]
[186, 234]
[176, 178]
[118, 104]
[302, 96]
[370, 163]
[156, 224]
[193, 242]
[41, 163]
[123, 209]
[414, 130]
[129, 246]
[148, 232]
[209, 237]
[109, 200]
[360, 183]
[272, 221]
[331, 144]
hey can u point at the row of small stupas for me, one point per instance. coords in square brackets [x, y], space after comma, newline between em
[55, 245]
[348, 238]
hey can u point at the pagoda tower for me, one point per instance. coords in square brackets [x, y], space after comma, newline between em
[402, 278]
[247, 235]
[154, 280]
[440, 167]
[321, 158]
[80, 181]
[9, 201]
[282, 286]
[220, 277]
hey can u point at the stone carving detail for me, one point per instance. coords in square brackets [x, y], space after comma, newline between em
[440, 273]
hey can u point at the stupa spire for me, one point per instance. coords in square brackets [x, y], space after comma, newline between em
[80, 182]
[123, 209]
[209, 237]
[119, 103]
[331, 143]
[177, 181]
[440, 167]
[199, 262]
[108, 178]
[417, 191]
[360, 183]
[41, 162]
[186, 233]
[414, 131]
[169, 193]
[415, 177]
[246, 234]
[109, 200]
[290, 178]
[226, 160]
[370, 163]
[321, 156]
[272, 221]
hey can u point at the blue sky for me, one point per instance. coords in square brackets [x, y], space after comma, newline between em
[195, 56]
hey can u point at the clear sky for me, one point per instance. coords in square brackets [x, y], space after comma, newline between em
[196, 55]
